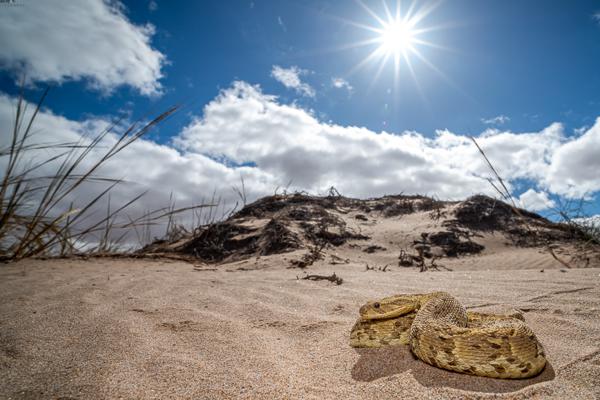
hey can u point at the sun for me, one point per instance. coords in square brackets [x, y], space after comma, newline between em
[397, 37]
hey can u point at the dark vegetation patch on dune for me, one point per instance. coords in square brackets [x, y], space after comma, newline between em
[485, 213]
[454, 242]
[273, 225]
[396, 205]
[232, 238]
[524, 228]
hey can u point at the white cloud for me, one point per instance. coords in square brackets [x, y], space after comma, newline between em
[596, 16]
[341, 83]
[245, 125]
[574, 166]
[536, 201]
[290, 78]
[87, 39]
[286, 143]
[499, 120]
[152, 5]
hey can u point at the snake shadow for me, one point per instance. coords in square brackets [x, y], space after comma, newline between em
[386, 361]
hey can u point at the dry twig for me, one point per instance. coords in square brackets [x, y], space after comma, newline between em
[332, 278]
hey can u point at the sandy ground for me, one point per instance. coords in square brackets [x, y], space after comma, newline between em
[108, 328]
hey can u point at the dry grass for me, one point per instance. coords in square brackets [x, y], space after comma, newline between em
[33, 218]
[571, 212]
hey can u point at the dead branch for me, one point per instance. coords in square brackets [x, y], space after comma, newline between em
[553, 254]
[204, 269]
[438, 266]
[332, 278]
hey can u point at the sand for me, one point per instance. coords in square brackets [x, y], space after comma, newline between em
[160, 329]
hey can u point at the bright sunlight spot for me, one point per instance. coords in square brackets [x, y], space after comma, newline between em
[397, 37]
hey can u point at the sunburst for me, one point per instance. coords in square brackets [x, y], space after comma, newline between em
[397, 38]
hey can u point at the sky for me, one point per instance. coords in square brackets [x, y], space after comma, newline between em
[372, 97]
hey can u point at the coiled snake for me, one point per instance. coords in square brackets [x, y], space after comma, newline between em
[442, 333]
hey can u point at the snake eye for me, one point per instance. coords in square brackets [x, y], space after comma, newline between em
[376, 305]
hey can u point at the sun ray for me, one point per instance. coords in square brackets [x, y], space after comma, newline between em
[387, 10]
[415, 80]
[337, 49]
[424, 12]
[408, 14]
[352, 23]
[439, 72]
[439, 27]
[374, 54]
[375, 79]
[362, 43]
[398, 9]
[363, 26]
[434, 45]
[371, 12]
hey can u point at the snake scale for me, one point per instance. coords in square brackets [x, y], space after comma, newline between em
[442, 333]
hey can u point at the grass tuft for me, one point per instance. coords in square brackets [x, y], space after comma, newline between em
[33, 218]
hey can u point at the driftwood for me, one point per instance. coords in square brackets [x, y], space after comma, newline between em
[332, 278]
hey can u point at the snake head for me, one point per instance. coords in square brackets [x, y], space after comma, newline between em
[389, 307]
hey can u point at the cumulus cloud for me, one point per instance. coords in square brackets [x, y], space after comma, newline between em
[87, 39]
[536, 201]
[243, 124]
[290, 78]
[246, 132]
[574, 166]
[341, 83]
[499, 120]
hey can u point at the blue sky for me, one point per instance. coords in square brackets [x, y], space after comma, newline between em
[516, 67]
[534, 61]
